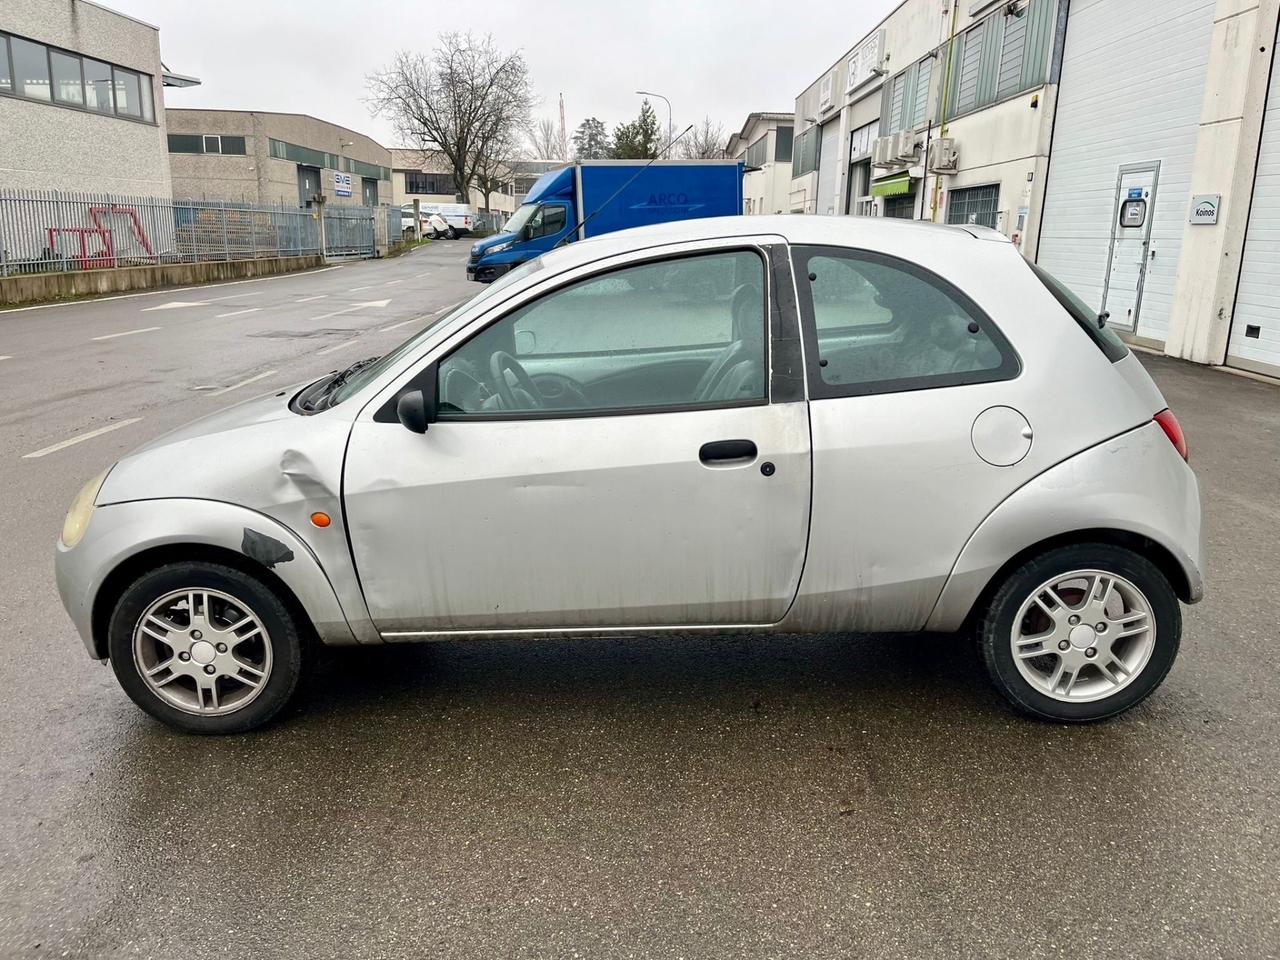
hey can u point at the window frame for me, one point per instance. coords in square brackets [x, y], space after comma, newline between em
[431, 370]
[1010, 366]
[146, 82]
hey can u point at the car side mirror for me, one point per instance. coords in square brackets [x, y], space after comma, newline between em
[526, 232]
[414, 411]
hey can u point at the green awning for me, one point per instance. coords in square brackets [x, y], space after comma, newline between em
[895, 186]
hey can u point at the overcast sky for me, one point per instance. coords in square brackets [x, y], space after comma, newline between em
[722, 58]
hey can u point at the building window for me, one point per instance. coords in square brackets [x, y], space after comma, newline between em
[979, 205]
[67, 85]
[415, 181]
[30, 69]
[804, 158]
[901, 207]
[782, 140]
[1000, 56]
[207, 143]
[97, 86]
[36, 71]
[758, 152]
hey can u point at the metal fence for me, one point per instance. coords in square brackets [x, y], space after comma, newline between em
[51, 231]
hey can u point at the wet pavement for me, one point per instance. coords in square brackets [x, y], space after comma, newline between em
[654, 797]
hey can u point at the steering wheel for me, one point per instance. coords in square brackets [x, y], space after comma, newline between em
[501, 362]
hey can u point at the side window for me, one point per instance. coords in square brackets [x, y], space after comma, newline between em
[675, 333]
[553, 220]
[874, 324]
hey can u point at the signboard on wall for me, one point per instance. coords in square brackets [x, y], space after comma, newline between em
[1204, 207]
[864, 61]
[341, 183]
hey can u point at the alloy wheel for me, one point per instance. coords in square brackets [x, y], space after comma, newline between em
[1083, 635]
[202, 651]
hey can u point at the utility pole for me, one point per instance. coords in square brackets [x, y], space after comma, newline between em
[564, 140]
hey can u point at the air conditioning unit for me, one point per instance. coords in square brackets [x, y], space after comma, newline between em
[880, 152]
[904, 147]
[943, 156]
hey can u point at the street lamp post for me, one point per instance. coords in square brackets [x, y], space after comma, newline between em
[670, 131]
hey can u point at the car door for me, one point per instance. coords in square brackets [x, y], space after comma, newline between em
[546, 228]
[544, 497]
[916, 435]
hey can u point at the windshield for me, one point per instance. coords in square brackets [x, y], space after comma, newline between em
[521, 217]
[367, 374]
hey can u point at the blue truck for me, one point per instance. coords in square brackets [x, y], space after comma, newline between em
[592, 197]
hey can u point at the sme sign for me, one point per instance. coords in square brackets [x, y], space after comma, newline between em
[341, 183]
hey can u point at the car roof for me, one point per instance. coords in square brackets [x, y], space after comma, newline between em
[868, 232]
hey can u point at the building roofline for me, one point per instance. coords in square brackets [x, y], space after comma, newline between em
[845, 56]
[272, 113]
[112, 10]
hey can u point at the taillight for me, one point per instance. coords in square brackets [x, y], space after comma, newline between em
[1173, 430]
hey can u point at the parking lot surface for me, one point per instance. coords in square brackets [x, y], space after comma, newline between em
[830, 796]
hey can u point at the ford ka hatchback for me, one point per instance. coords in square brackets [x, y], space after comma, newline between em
[745, 425]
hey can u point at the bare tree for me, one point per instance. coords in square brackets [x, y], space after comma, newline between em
[455, 102]
[706, 141]
[544, 140]
[493, 166]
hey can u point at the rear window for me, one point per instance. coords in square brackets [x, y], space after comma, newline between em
[1108, 340]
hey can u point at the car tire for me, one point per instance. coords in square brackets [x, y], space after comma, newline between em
[276, 641]
[452, 234]
[1024, 636]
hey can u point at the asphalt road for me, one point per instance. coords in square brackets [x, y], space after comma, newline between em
[656, 797]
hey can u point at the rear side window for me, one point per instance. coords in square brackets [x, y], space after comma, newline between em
[1108, 340]
[877, 324]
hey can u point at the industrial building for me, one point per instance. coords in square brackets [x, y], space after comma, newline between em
[250, 156]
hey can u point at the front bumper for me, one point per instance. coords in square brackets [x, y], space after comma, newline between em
[487, 273]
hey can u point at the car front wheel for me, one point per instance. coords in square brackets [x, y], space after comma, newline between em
[1081, 632]
[206, 648]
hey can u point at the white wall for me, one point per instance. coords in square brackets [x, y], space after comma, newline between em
[1131, 90]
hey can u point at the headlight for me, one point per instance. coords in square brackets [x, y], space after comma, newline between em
[500, 247]
[77, 521]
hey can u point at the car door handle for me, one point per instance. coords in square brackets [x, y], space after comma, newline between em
[727, 452]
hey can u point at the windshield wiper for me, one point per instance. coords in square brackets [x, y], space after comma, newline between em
[326, 388]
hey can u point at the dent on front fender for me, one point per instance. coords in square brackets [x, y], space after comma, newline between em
[1135, 483]
[119, 532]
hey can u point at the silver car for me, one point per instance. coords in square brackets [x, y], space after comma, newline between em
[769, 424]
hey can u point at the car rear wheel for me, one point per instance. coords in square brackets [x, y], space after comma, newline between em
[452, 234]
[1081, 632]
[205, 648]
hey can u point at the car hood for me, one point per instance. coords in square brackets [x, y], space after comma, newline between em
[259, 454]
[479, 248]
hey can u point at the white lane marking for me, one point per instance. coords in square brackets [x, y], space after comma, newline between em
[419, 317]
[175, 304]
[318, 296]
[402, 323]
[354, 306]
[54, 448]
[172, 290]
[392, 283]
[125, 333]
[242, 383]
[358, 289]
[337, 346]
[236, 313]
[6, 358]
